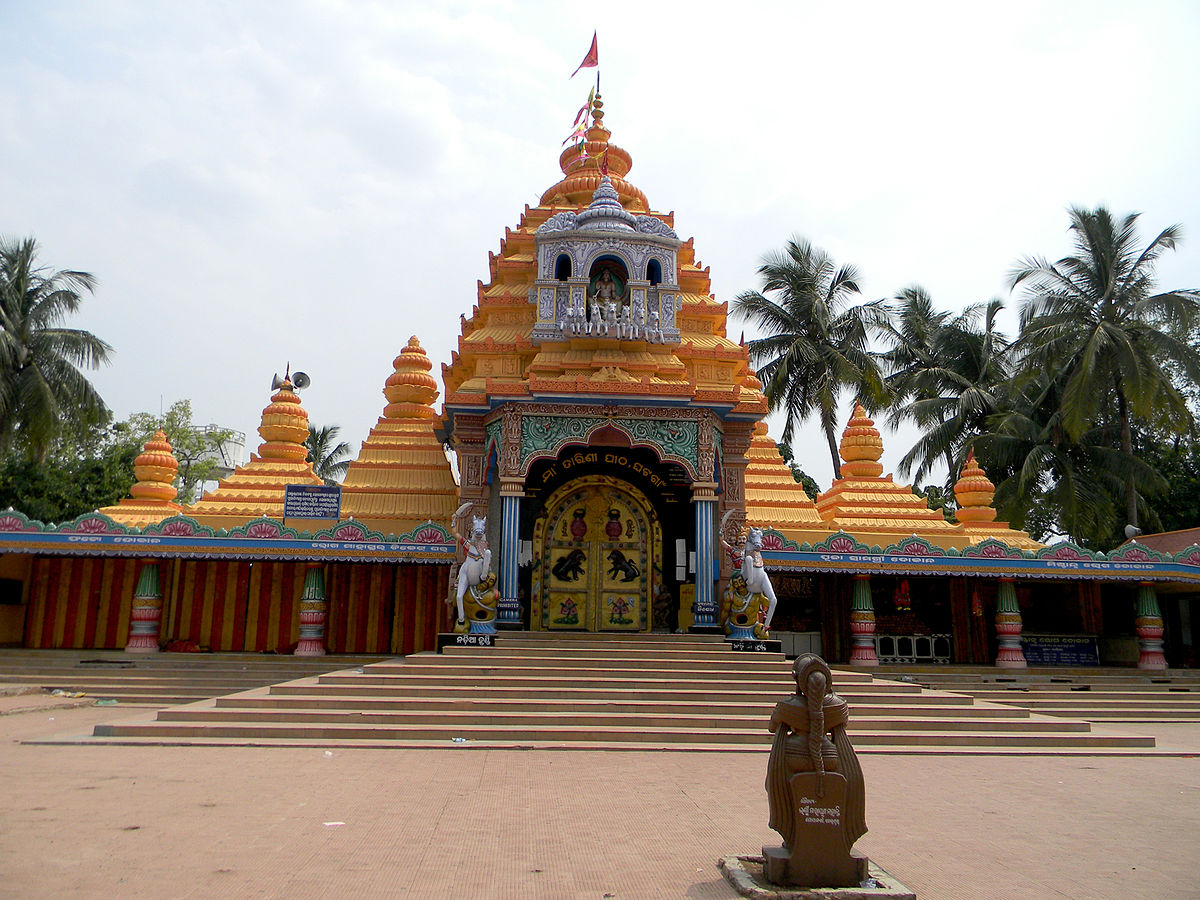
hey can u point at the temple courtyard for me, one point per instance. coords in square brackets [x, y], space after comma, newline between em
[172, 821]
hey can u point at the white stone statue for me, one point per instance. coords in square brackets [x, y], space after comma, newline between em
[478, 562]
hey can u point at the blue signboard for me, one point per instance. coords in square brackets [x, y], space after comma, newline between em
[312, 501]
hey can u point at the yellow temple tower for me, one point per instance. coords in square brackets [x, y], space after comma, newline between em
[257, 488]
[152, 496]
[402, 476]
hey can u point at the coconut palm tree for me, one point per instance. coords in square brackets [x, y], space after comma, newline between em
[946, 375]
[41, 385]
[1093, 320]
[817, 340]
[330, 457]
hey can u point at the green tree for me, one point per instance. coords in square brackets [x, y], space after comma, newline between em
[199, 449]
[816, 343]
[330, 457]
[85, 467]
[946, 374]
[1094, 321]
[41, 385]
[801, 477]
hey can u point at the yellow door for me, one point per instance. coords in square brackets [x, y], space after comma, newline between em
[595, 557]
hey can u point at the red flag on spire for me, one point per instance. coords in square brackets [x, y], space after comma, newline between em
[604, 161]
[591, 60]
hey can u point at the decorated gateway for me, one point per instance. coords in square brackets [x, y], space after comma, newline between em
[609, 440]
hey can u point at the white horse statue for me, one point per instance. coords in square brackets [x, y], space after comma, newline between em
[479, 558]
[751, 562]
[755, 573]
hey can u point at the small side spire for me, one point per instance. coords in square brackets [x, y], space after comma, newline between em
[410, 389]
[284, 427]
[861, 447]
[155, 469]
[974, 492]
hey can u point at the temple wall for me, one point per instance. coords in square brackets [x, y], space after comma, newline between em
[234, 605]
[78, 603]
[16, 568]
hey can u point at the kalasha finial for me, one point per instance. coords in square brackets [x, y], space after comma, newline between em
[861, 447]
[974, 492]
[410, 388]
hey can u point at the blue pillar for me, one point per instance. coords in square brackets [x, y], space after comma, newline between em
[508, 615]
[705, 501]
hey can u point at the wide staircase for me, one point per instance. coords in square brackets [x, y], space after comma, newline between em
[1092, 694]
[600, 692]
[158, 679]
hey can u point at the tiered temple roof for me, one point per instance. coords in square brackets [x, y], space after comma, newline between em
[152, 496]
[402, 476]
[496, 358]
[868, 504]
[257, 488]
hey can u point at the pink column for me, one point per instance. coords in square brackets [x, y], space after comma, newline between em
[862, 624]
[312, 613]
[1008, 627]
[1149, 626]
[146, 615]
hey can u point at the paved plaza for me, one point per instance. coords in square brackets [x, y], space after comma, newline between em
[152, 821]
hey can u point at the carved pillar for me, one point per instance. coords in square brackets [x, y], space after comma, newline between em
[508, 613]
[146, 614]
[862, 623]
[312, 613]
[469, 444]
[1149, 626]
[735, 442]
[704, 498]
[1008, 627]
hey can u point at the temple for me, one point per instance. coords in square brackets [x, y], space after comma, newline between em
[611, 434]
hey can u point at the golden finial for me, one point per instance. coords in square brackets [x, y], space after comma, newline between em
[284, 427]
[974, 492]
[861, 446]
[155, 469]
[410, 389]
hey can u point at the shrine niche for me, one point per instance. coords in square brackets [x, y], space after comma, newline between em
[596, 557]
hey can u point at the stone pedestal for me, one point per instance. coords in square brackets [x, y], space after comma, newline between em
[820, 857]
[146, 615]
[862, 624]
[313, 612]
[1008, 627]
[1149, 626]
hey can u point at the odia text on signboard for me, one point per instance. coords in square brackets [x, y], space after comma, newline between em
[312, 501]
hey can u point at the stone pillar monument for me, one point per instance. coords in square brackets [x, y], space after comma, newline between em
[862, 623]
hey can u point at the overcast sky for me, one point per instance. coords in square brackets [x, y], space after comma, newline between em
[255, 183]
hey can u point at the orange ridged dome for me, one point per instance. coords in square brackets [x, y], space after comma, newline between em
[284, 427]
[155, 469]
[974, 492]
[583, 176]
[861, 447]
[410, 388]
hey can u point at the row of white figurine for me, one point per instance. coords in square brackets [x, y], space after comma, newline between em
[607, 320]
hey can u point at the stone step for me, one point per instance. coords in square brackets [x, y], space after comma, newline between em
[671, 704]
[451, 720]
[719, 663]
[1088, 698]
[600, 689]
[1065, 687]
[584, 736]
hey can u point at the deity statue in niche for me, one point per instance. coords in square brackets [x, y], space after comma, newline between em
[815, 790]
